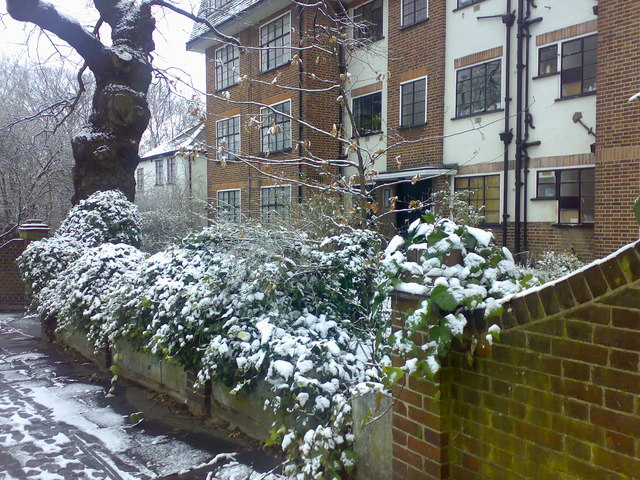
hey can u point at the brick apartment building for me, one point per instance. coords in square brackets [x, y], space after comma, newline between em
[494, 96]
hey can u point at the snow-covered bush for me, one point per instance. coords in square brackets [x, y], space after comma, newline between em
[551, 265]
[78, 297]
[461, 273]
[241, 305]
[103, 217]
[457, 206]
[43, 261]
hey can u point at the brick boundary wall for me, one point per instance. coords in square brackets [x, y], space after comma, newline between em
[557, 397]
[11, 287]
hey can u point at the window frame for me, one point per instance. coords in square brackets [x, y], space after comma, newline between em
[267, 211]
[269, 111]
[221, 211]
[470, 68]
[557, 58]
[159, 163]
[265, 49]
[362, 132]
[415, 21]
[222, 70]
[483, 201]
[140, 179]
[365, 36]
[468, 4]
[563, 199]
[426, 90]
[231, 154]
[563, 71]
[172, 170]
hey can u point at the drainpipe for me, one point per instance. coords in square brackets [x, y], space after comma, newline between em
[528, 119]
[300, 12]
[519, 108]
[507, 136]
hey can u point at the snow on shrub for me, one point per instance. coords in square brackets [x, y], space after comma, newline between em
[241, 307]
[103, 217]
[42, 261]
[462, 273]
[79, 296]
[551, 265]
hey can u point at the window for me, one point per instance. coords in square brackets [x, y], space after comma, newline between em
[413, 103]
[414, 11]
[575, 191]
[227, 66]
[228, 138]
[275, 40]
[159, 172]
[368, 19]
[478, 88]
[548, 60]
[274, 202]
[579, 66]
[485, 193]
[229, 205]
[140, 179]
[276, 128]
[171, 171]
[367, 112]
[465, 3]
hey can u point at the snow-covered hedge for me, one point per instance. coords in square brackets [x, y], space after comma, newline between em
[461, 272]
[104, 217]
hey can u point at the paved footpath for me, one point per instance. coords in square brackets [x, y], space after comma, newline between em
[58, 423]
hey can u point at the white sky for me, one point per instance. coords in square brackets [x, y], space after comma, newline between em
[170, 37]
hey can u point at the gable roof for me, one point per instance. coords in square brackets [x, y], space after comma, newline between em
[189, 138]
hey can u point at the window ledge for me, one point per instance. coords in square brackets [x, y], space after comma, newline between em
[478, 114]
[467, 6]
[490, 224]
[409, 127]
[360, 44]
[545, 75]
[224, 89]
[580, 95]
[542, 199]
[369, 134]
[273, 152]
[573, 225]
[263, 72]
[411, 25]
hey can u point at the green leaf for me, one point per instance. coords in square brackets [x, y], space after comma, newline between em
[435, 237]
[135, 418]
[470, 241]
[391, 375]
[429, 218]
[365, 419]
[443, 298]
[115, 369]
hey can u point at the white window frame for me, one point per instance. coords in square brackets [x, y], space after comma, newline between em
[235, 69]
[402, 15]
[265, 50]
[140, 179]
[218, 192]
[426, 94]
[558, 46]
[268, 110]
[267, 218]
[172, 170]
[230, 155]
[383, 27]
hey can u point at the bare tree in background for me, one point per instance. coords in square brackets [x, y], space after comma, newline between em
[35, 148]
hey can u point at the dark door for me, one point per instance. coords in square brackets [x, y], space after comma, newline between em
[420, 191]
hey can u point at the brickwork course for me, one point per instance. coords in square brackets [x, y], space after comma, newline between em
[12, 289]
[557, 397]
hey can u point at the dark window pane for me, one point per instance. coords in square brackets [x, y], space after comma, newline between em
[579, 71]
[479, 88]
[367, 112]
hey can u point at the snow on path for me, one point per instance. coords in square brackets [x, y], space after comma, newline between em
[57, 428]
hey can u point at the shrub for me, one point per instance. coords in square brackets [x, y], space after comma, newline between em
[44, 260]
[461, 273]
[79, 295]
[103, 217]
[551, 265]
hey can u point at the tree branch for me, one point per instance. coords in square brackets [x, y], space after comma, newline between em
[197, 19]
[47, 17]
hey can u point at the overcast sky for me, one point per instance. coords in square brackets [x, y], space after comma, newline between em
[171, 35]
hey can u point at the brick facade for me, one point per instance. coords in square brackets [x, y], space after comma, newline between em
[557, 397]
[618, 125]
[12, 291]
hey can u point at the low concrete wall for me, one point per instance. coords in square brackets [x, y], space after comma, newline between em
[244, 410]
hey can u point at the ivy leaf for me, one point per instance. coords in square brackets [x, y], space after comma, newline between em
[391, 375]
[444, 299]
[435, 237]
[470, 241]
[429, 218]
